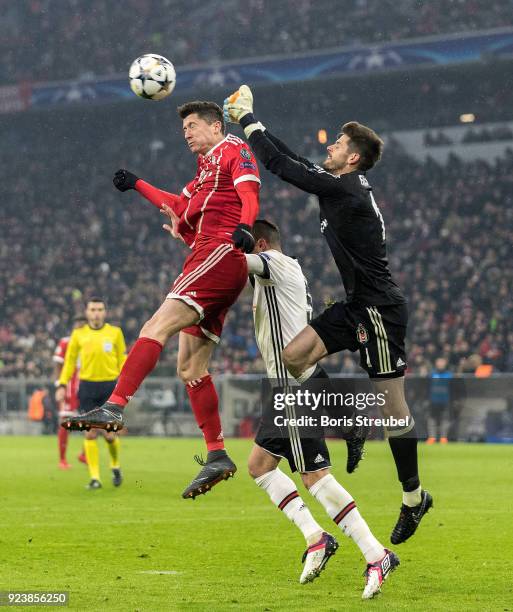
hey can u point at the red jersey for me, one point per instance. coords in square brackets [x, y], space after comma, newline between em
[213, 207]
[71, 399]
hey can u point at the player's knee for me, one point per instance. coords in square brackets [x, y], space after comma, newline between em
[256, 468]
[183, 373]
[189, 372]
[310, 478]
[253, 470]
[293, 361]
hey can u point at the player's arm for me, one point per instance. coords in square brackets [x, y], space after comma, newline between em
[283, 148]
[125, 180]
[70, 360]
[121, 349]
[57, 369]
[258, 265]
[178, 230]
[246, 180]
[306, 176]
[58, 360]
[290, 168]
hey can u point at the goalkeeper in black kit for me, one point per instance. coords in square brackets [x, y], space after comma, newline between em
[373, 317]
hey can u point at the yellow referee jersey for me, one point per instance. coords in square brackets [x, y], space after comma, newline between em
[102, 353]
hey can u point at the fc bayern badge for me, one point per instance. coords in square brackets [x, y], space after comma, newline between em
[361, 334]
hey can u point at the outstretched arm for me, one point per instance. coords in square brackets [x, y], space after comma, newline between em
[125, 180]
[160, 198]
[273, 153]
[292, 169]
[283, 148]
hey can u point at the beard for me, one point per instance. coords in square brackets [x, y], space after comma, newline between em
[330, 165]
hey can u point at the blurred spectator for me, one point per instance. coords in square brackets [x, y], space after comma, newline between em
[438, 418]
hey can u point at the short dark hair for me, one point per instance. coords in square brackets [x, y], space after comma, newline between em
[267, 230]
[96, 299]
[209, 111]
[365, 141]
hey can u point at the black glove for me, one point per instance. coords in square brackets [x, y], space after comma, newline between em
[243, 238]
[124, 180]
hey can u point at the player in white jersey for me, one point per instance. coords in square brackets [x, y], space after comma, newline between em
[281, 308]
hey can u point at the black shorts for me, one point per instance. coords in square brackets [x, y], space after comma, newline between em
[378, 332]
[304, 447]
[94, 394]
[303, 455]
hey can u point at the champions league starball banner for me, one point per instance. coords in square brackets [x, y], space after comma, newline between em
[267, 71]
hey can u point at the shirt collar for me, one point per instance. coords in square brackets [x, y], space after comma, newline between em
[215, 147]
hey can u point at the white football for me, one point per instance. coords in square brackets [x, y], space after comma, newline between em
[152, 77]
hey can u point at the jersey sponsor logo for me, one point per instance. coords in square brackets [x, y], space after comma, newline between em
[245, 154]
[361, 334]
[324, 225]
[107, 346]
[249, 165]
[319, 458]
[193, 293]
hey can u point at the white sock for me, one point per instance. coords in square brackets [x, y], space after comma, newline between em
[341, 507]
[412, 498]
[282, 491]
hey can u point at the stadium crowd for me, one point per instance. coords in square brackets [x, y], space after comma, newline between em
[449, 232]
[90, 38]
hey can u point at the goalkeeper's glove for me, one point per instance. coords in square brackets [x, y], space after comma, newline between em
[243, 238]
[124, 180]
[237, 105]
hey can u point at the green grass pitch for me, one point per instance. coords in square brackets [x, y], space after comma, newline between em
[142, 547]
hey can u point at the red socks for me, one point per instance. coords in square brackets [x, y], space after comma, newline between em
[62, 437]
[140, 362]
[203, 395]
[205, 405]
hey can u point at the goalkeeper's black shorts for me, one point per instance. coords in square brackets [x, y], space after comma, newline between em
[378, 332]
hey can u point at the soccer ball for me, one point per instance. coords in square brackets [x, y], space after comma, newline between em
[152, 77]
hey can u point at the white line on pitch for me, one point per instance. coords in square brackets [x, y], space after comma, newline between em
[160, 572]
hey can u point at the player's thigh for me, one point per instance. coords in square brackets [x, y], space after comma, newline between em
[395, 400]
[172, 316]
[194, 353]
[260, 462]
[303, 351]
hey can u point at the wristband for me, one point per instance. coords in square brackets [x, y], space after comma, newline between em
[249, 124]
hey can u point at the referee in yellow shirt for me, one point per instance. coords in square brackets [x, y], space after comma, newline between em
[101, 351]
